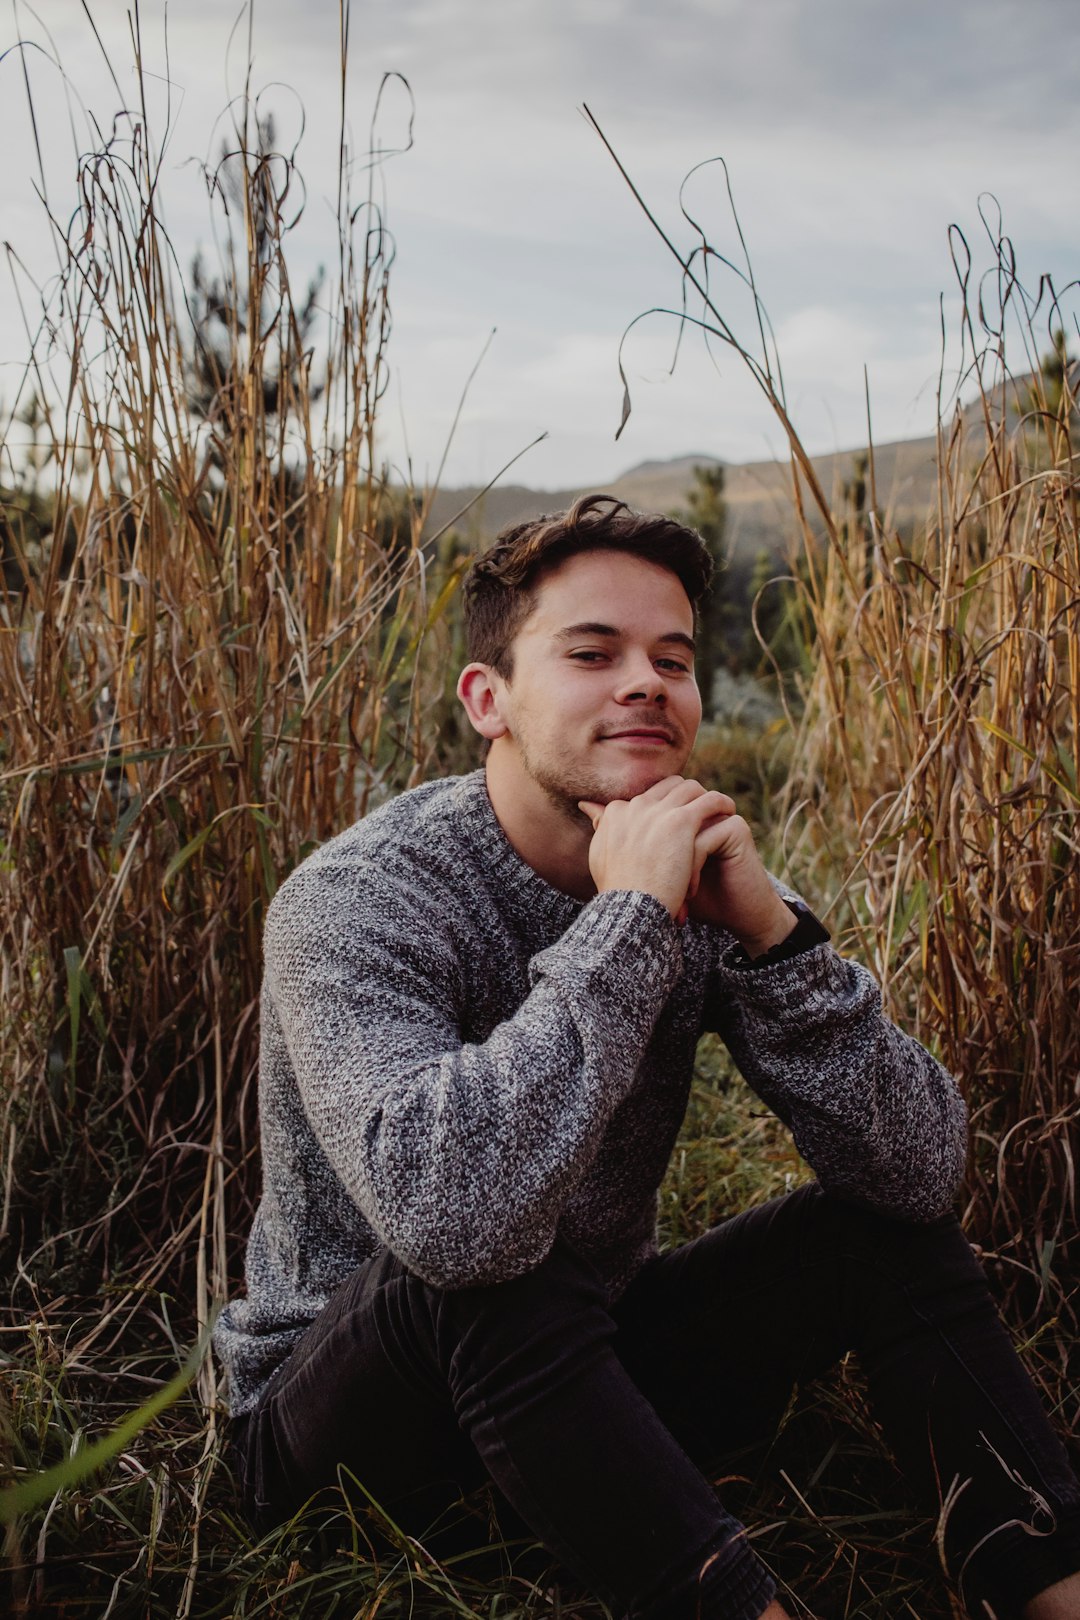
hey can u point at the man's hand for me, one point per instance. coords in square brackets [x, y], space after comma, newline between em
[652, 842]
[731, 888]
[686, 846]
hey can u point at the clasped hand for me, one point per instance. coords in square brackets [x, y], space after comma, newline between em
[687, 846]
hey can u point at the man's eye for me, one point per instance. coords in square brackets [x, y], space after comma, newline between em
[673, 663]
[588, 655]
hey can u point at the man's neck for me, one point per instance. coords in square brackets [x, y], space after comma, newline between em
[551, 838]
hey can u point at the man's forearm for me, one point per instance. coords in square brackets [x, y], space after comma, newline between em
[872, 1112]
[462, 1155]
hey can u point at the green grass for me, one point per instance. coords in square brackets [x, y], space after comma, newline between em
[158, 1532]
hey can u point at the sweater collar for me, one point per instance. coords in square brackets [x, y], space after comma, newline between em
[530, 895]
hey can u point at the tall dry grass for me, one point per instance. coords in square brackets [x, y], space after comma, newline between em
[211, 667]
[932, 788]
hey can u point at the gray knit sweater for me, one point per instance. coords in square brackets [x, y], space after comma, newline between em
[458, 1061]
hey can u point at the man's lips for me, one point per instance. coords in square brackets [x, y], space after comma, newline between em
[640, 734]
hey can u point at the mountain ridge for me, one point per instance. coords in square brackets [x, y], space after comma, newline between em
[757, 494]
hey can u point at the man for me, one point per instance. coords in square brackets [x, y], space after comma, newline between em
[480, 1011]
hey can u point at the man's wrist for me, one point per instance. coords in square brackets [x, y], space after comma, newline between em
[802, 932]
[781, 923]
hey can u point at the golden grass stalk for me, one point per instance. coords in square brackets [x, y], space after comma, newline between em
[934, 787]
[932, 790]
[208, 670]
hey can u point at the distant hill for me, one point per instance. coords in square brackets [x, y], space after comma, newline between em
[758, 493]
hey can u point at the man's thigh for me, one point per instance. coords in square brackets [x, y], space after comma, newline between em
[717, 1333]
[355, 1405]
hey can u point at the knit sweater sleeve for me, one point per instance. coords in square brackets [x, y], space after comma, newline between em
[872, 1112]
[459, 1155]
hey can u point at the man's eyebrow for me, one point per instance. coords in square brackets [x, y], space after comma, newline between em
[572, 630]
[677, 638]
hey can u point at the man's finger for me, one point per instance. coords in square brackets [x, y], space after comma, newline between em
[709, 808]
[714, 806]
[720, 836]
[593, 811]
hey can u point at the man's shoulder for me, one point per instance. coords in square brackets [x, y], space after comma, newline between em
[431, 810]
[417, 837]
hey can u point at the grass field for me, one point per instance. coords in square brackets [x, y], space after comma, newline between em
[158, 1531]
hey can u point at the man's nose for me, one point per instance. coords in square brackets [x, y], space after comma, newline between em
[642, 682]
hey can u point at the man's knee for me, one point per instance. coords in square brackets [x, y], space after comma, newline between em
[524, 1332]
[870, 1232]
[929, 1265]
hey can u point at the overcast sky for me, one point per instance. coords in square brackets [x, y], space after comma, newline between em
[855, 132]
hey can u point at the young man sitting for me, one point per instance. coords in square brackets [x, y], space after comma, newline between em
[480, 1011]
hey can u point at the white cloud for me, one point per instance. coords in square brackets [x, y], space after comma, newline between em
[855, 131]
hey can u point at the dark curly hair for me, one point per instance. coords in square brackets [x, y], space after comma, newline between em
[500, 587]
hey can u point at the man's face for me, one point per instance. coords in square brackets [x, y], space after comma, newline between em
[602, 702]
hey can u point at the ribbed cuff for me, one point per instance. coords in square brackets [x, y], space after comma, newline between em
[735, 1585]
[623, 949]
[814, 984]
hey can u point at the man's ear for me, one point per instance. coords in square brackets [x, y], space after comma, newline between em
[480, 689]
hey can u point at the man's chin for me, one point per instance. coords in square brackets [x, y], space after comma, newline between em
[631, 783]
[638, 788]
[627, 780]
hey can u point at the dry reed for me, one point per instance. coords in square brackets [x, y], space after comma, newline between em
[932, 787]
[208, 668]
[934, 790]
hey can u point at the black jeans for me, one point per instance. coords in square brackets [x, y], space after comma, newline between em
[595, 1421]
